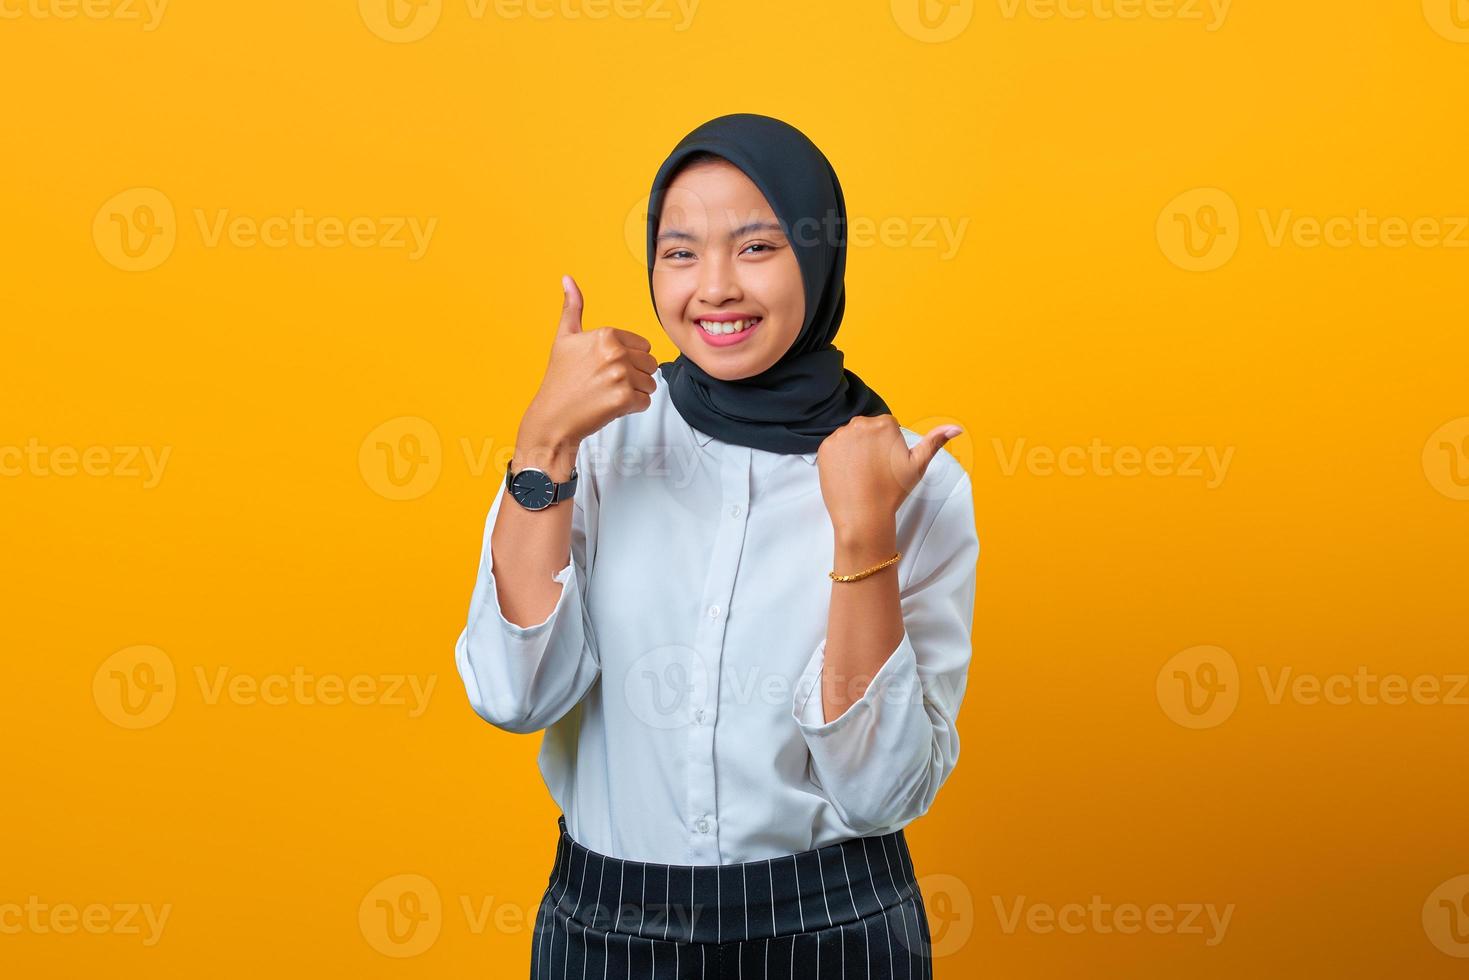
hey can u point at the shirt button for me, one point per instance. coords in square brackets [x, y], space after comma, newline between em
[702, 826]
[699, 715]
[714, 612]
[735, 510]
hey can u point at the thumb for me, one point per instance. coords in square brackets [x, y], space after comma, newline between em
[925, 449]
[570, 307]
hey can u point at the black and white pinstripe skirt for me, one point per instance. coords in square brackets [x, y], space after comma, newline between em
[846, 911]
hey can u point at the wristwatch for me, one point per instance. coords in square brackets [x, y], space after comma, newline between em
[534, 489]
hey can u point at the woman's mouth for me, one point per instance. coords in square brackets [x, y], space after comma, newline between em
[723, 332]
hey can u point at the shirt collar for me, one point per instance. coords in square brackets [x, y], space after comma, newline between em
[702, 438]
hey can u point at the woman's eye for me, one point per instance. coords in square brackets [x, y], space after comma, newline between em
[760, 245]
[679, 254]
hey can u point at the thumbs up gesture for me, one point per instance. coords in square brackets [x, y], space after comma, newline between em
[867, 470]
[592, 377]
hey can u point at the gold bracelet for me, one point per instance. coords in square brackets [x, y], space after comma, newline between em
[863, 574]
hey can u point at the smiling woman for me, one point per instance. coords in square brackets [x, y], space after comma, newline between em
[749, 676]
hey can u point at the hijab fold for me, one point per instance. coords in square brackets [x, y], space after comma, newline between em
[803, 397]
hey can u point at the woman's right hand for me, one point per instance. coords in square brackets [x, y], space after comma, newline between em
[592, 378]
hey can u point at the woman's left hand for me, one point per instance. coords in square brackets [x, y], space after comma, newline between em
[867, 469]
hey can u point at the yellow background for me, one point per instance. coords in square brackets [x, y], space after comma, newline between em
[1335, 539]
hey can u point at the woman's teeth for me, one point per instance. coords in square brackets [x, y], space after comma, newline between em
[733, 326]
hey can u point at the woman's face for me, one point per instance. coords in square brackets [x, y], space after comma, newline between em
[722, 260]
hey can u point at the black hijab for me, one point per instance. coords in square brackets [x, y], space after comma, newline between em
[802, 398]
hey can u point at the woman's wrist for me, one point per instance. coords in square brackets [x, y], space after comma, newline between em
[545, 448]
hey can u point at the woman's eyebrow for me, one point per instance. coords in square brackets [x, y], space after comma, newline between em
[745, 229]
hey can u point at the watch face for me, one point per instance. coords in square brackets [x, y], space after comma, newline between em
[533, 489]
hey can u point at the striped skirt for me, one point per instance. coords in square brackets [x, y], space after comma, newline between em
[846, 911]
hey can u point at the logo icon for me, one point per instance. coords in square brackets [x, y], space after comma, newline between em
[950, 908]
[663, 686]
[401, 21]
[1446, 917]
[933, 21]
[931, 486]
[135, 687]
[136, 229]
[402, 458]
[1450, 18]
[1446, 459]
[1199, 687]
[1199, 230]
[401, 916]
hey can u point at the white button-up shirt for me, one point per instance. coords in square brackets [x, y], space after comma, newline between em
[678, 676]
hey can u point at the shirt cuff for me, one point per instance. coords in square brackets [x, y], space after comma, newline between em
[895, 685]
[567, 578]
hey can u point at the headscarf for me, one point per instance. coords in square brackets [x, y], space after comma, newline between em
[807, 394]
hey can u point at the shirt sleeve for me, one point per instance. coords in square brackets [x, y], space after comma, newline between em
[882, 761]
[525, 678]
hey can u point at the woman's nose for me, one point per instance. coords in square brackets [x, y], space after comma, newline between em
[717, 280]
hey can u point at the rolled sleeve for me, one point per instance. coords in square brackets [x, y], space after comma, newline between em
[882, 761]
[525, 678]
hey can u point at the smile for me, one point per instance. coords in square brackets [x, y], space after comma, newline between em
[722, 333]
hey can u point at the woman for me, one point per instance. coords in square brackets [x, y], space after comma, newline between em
[737, 596]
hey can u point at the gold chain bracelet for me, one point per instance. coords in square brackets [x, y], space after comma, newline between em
[866, 572]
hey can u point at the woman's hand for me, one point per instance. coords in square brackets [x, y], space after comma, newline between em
[867, 470]
[592, 378]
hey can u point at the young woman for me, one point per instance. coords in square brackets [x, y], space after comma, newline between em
[736, 594]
